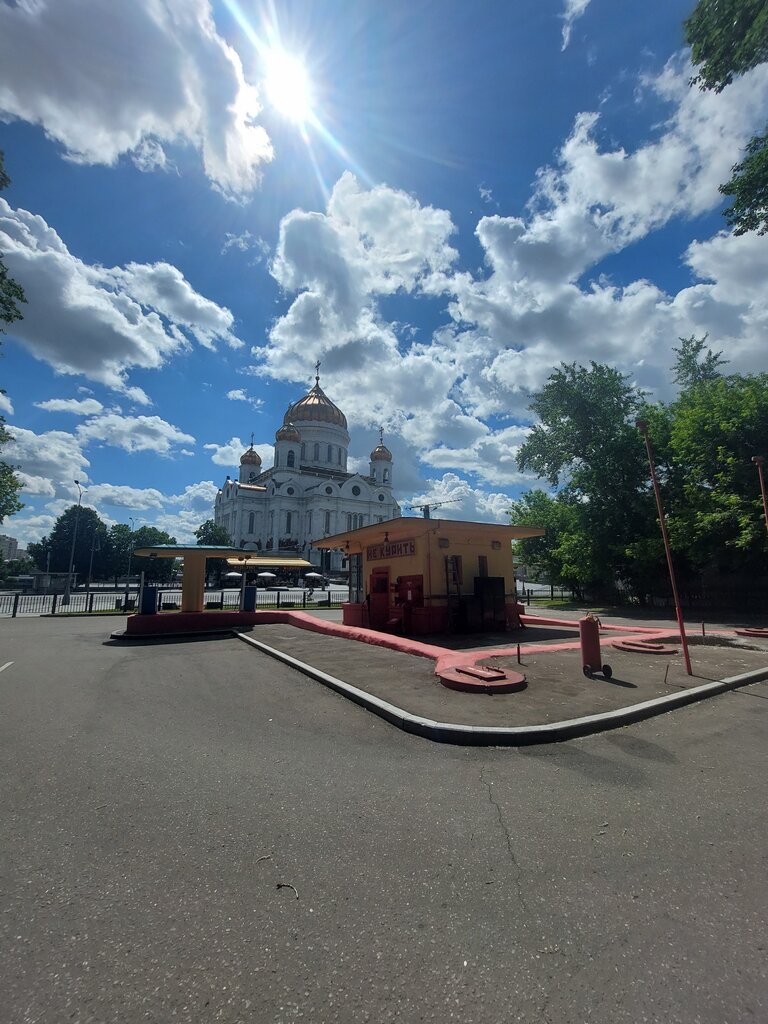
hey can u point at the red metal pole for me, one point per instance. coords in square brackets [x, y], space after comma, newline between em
[642, 426]
[758, 461]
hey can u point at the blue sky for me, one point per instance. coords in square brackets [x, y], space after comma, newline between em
[470, 194]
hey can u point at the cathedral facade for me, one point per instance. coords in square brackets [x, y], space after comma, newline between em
[307, 493]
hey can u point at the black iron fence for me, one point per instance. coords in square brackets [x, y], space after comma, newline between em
[12, 605]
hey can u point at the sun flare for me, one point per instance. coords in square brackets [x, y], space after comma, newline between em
[287, 86]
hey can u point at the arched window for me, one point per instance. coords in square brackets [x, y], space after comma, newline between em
[386, 476]
[317, 452]
[330, 453]
[291, 459]
[251, 521]
[288, 518]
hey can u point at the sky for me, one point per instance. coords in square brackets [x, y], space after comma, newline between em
[440, 201]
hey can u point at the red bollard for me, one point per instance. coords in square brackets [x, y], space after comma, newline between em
[591, 655]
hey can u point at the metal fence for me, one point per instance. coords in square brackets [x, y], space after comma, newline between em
[13, 605]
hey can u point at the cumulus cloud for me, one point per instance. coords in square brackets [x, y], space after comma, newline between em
[120, 496]
[107, 320]
[228, 454]
[241, 395]
[80, 407]
[6, 406]
[197, 497]
[133, 433]
[111, 78]
[48, 461]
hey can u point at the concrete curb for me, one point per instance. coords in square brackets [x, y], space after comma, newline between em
[481, 735]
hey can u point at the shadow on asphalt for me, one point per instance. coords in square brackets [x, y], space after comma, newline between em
[144, 641]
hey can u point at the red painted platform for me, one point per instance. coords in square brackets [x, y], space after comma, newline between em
[643, 647]
[480, 679]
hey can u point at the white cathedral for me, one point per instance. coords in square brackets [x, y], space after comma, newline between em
[308, 493]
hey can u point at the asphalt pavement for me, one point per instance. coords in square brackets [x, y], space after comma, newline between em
[193, 832]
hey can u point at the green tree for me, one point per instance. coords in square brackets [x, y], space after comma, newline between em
[690, 368]
[727, 39]
[552, 553]
[11, 294]
[91, 536]
[586, 438]
[210, 534]
[716, 428]
[156, 570]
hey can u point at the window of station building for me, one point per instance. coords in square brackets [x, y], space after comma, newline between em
[291, 462]
[482, 565]
[355, 490]
[317, 453]
[251, 521]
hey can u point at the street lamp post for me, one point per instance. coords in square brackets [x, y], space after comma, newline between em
[642, 426]
[759, 461]
[97, 547]
[130, 555]
[68, 581]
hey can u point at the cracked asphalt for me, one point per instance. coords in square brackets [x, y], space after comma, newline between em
[194, 832]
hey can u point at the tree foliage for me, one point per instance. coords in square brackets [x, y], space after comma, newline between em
[690, 368]
[602, 526]
[11, 294]
[727, 39]
[210, 534]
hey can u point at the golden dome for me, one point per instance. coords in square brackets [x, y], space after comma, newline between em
[288, 433]
[315, 406]
[381, 452]
[250, 458]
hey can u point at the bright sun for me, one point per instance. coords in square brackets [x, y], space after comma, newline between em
[287, 86]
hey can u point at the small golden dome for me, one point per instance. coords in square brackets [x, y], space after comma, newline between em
[250, 458]
[288, 433]
[381, 452]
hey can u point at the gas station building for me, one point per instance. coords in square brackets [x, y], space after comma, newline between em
[425, 576]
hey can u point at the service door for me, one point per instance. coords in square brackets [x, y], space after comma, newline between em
[379, 598]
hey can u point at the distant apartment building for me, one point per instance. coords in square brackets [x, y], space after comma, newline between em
[9, 547]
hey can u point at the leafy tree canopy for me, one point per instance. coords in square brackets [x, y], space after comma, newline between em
[210, 534]
[11, 293]
[690, 369]
[727, 39]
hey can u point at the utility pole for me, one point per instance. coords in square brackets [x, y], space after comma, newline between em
[68, 582]
[642, 426]
[130, 555]
[759, 461]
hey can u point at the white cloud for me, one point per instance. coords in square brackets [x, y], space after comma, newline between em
[54, 455]
[246, 242]
[120, 496]
[107, 320]
[229, 454]
[108, 79]
[573, 10]
[80, 407]
[241, 395]
[454, 498]
[133, 433]
[6, 406]
[197, 498]
[36, 486]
